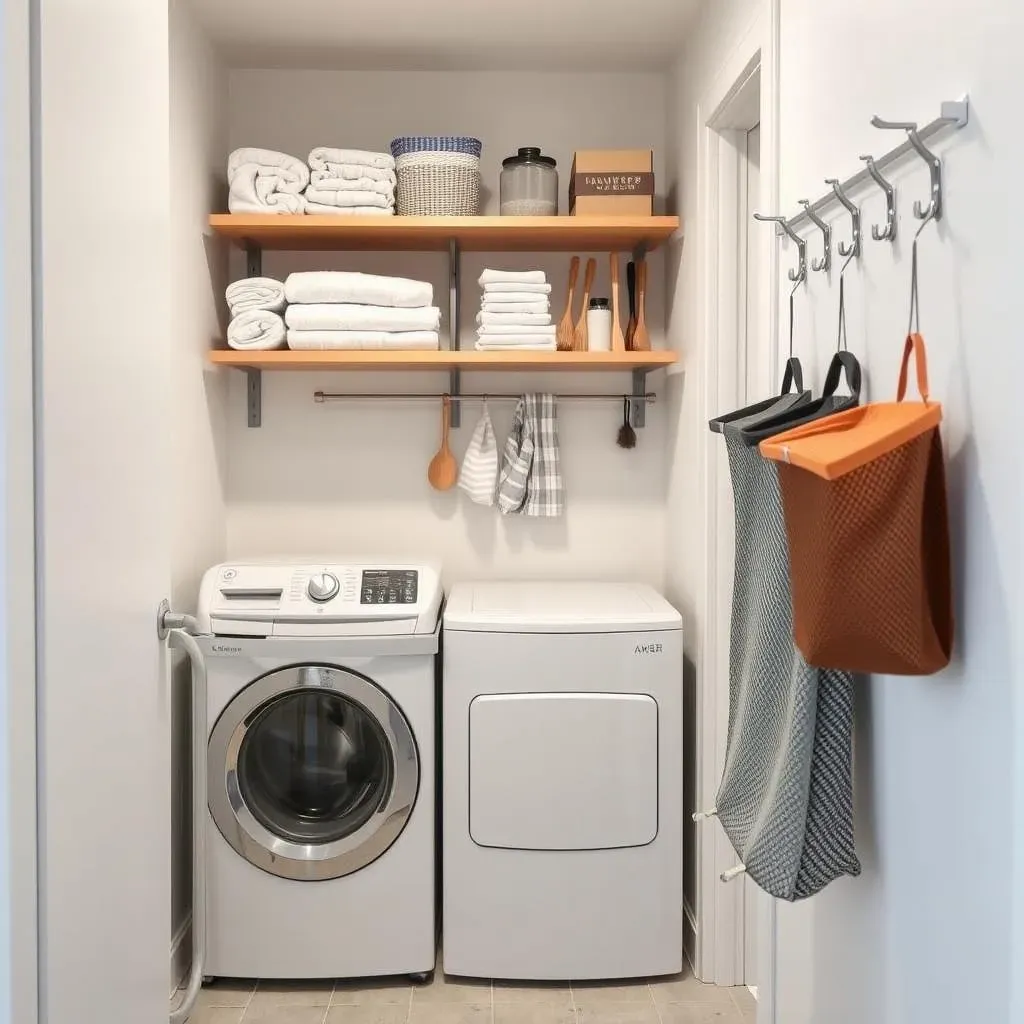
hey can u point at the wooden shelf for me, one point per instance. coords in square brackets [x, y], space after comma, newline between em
[428, 234]
[281, 359]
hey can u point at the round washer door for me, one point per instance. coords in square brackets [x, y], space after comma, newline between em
[313, 772]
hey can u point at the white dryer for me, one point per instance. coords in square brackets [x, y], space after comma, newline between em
[563, 791]
[321, 759]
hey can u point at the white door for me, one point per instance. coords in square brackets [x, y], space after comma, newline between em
[103, 437]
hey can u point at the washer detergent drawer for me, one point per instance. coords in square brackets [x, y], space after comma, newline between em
[563, 771]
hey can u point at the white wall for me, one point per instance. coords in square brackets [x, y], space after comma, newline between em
[198, 125]
[352, 478]
[925, 933]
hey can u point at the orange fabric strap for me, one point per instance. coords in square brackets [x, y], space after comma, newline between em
[915, 344]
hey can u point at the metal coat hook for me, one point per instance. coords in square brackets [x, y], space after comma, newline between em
[933, 211]
[887, 233]
[825, 263]
[800, 274]
[851, 251]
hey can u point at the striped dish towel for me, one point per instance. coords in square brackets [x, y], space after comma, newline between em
[531, 470]
[480, 464]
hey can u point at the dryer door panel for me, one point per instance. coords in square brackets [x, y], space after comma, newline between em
[563, 771]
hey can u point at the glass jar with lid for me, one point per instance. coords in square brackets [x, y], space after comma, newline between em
[529, 184]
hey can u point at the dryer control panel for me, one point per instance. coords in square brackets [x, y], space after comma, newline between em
[389, 586]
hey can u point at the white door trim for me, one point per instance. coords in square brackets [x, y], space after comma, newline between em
[720, 938]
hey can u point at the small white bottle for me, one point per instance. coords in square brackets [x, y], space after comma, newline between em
[599, 326]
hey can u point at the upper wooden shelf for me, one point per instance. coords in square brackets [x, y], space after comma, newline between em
[425, 234]
[283, 359]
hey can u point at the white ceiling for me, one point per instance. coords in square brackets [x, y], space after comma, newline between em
[552, 35]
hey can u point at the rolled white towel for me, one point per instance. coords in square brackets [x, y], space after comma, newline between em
[322, 156]
[514, 342]
[351, 172]
[542, 329]
[362, 289]
[321, 209]
[398, 340]
[265, 181]
[513, 319]
[354, 184]
[257, 330]
[342, 316]
[348, 197]
[255, 293]
[512, 277]
[516, 288]
[492, 306]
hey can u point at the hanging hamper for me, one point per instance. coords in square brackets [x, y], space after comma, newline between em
[438, 176]
[864, 494]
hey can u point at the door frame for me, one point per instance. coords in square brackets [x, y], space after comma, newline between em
[728, 364]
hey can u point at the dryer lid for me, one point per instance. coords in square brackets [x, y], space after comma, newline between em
[558, 607]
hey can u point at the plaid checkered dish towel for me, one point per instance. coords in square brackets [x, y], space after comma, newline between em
[530, 483]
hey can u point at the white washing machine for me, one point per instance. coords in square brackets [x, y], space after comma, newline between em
[321, 758]
[563, 781]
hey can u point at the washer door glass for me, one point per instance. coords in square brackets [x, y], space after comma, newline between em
[313, 772]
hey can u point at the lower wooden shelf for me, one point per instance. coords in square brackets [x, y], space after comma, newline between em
[282, 359]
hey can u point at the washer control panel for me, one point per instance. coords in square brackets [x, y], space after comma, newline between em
[389, 586]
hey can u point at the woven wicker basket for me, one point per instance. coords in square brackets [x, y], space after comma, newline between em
[438, 184]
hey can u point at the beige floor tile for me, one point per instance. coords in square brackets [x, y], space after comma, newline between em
[269, 1014]
[367, 991]
[375, 1013]
[533, 993]
[449, 989]
[617, 1013]
[292, 993]
[699, 1013]
[450, 1013]
[226, 992]
[533, 1013]
[599, 993]
[745, 1002]
[685, 988]
[217, 1015]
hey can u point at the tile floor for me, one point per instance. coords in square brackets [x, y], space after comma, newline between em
[678, 1000]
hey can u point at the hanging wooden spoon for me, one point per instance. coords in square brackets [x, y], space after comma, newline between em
[565, 326]
[618, 341]
[580, 340]
[641, 339]
[443, 470]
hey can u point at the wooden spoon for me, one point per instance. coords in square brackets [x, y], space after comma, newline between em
[618, 341]
[580, 339]
[565, 328]
[641, 338]
[443, 470]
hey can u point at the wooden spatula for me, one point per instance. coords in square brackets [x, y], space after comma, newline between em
[580, 341]
[565, 325]
[618, 341]
[443, 470]
[631, 289]
[641, 341]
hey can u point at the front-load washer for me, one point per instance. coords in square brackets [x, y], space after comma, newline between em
[321, 762]
[563, 792]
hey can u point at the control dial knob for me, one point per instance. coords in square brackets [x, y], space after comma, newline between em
[322, 587]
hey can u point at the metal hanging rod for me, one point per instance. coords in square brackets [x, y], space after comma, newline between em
[649, 397]
[954, 114]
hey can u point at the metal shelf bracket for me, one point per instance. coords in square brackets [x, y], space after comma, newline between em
[639, 408]
[454, 282]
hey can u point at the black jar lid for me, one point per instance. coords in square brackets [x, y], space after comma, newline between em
[598, 303]
[528, 155]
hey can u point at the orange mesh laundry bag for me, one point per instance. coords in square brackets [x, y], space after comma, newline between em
[864, 495]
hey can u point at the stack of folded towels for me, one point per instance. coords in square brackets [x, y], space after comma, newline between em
[256, 305]
[351, 181]
[515, 312]
[345, 310]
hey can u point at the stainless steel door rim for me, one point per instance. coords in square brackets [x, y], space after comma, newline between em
[274, 853]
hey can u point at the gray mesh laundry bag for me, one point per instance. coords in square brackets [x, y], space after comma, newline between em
[786, 796]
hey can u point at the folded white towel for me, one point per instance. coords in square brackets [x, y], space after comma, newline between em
[265, 181]
[542, 329]
[255, 293]
[349, 197]
[363, 289]
[256, 329]
[341, 316]
[514, 319]
[419, 340]
[322, 209]
[526, 343]
[354, 184]
[493, 306]
[350, 172]
[516, 288]
[322, 156]
[490, 296]
[512, 276]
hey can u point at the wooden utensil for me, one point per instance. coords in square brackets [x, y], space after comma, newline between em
[618, 341]
[631, 288]
[580, 342]
[565, 326]
[641, 338]
[443, 470]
